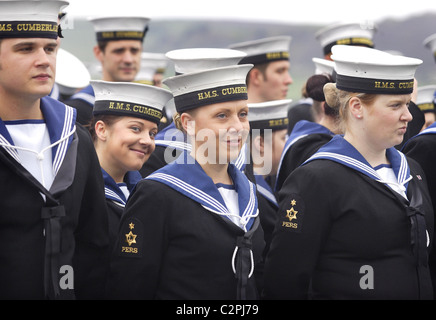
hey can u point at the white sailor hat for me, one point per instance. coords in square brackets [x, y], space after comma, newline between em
[346, 33]
[366, 70]
[430, 42]
[269, 115]
[425, 98]
[30, 19]
[323, 66]
[151, 63]
[197, 89]
[71, 73]
[129, 99]
[120, 28]
[264, 50]
[198, 59]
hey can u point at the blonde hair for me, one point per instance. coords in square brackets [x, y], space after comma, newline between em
[338, 99]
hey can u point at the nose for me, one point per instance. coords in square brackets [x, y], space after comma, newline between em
[146, 140]
[128, 57]
[42, 58]
[406, 115]
[289, 79]
[236, 125]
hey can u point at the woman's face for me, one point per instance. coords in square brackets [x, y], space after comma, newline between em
[126, 144]
[218, 131]
[385, 121]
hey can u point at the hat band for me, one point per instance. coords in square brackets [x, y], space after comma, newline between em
[274, 124]
[426, 107]
[120, 35]
[375, 86]
[265, 57]
[201, 98]
[28, 29]
[364, 42]
[123, 108]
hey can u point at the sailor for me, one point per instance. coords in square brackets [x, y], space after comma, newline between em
[171, 142]
[153, 66]
[124, 125]
[425, 101]
[308, 136]
[356, 219]
[269, 79]
[191, 229]
[268, 131]
[54, 229]
[302, 109]
[346, 33]
[430, 43]
[422, 148]
[119, 47]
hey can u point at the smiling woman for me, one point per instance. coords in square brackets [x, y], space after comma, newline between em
[124, 124]
[197, 221]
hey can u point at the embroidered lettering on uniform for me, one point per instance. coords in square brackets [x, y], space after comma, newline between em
[207, 95]
[6, 27]
[130, 239]
[291, 214]
[292, 218]
[393, 85]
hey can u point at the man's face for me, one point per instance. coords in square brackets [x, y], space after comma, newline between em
[275, 83]
[120, 60]
[27, 66]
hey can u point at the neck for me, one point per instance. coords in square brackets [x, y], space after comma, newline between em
[17, 108]
[114, 171]
[329, 123]
[374, 156]
[217, 172]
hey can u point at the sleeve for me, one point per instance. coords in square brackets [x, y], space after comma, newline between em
[136, 258]
[92, 235]
[302, 227]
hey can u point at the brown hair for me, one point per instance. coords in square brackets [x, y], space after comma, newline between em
[107, 119]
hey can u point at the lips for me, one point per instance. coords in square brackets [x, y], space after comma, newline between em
[42, 76]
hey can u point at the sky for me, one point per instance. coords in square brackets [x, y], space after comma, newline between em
[288, 11]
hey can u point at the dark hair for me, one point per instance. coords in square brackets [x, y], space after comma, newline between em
[314, 89]
[108, 119]
[315, 85]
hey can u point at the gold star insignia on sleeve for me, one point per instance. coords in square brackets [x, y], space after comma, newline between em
[130, 238]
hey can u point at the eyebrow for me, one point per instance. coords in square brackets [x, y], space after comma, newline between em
[32, 43]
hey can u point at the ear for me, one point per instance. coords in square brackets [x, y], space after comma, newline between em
[356, 107]
[101, 130]
[98, 53]
[258, 144]
[255, 76]
[188, 123]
